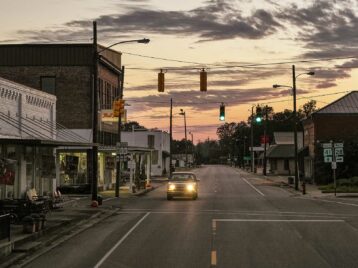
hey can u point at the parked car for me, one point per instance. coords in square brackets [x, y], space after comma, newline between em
[182, 184]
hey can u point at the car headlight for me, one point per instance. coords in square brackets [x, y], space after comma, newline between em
[171, 187]
[190, 187]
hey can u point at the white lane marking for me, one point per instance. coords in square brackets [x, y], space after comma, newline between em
[120, 241]
[253, 187]
[329, 201]
[246, 212]
[268, 220]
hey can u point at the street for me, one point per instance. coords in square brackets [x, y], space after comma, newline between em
[237, 221]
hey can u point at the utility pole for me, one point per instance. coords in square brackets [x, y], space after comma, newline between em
[252, 139]
[186, 141]
[182, 112]
[193, 147]
[265, 133]
[119, 138]
[171, 138]
[295, 125]
[95, 116]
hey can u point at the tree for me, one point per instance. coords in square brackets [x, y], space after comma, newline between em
[308, 108]
[132, 124]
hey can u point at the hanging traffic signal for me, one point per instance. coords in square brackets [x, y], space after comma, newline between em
[161, 81]
[222, 112]
[203, 80]
[258, 117]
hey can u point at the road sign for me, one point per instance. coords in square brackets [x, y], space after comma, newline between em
[327, 152]
[122, 144]
[247, 158]
[326, 145]
[328, 159]
[339, 159]
[122, 148]
[338, 145]
[339, 151]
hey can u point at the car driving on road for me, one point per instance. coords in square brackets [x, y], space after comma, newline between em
[182, 184]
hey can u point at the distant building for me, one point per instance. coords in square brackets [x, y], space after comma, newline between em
[281, 154]
[338, 122]
[157, 141]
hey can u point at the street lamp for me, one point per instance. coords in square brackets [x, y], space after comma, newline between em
[294, 77]
[96, 56]
[182, 112]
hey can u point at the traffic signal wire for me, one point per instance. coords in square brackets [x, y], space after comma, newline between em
[232, 102]
[248, 65]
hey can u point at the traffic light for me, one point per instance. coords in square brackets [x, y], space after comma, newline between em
[203, 80]
[258, 117]
[161, 81]
[222, 112]
[118, 107]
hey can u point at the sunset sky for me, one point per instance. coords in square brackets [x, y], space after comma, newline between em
[218, 35]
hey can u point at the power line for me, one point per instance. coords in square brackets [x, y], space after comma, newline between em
[249, 65]
[228, 102]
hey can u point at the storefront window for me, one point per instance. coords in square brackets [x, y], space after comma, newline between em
[7, 172]
[73, 168]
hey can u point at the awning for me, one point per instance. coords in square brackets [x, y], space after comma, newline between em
[39, 142]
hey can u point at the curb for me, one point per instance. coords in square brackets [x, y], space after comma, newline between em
[145, 191]
[24, 259]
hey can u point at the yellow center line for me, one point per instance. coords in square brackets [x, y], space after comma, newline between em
[213, 257]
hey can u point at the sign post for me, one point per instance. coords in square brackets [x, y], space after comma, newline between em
[333, 153]
[334, 167]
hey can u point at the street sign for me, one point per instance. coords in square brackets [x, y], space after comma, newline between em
[339, 159]
[338, 145]
[122, 144]
[247, 158]
[326, 145]
[328, 159]
[122, 148]
[327, 152]
[339, 151]
[333, 148]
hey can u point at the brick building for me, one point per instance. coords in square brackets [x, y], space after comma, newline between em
[66, 71]
[338, 122]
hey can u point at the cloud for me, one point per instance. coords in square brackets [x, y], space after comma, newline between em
[216, 20]
[326, 28]
[205, 101]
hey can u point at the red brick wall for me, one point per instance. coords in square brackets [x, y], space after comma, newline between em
[336, 127]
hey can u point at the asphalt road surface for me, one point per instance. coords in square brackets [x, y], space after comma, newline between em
[237, 221]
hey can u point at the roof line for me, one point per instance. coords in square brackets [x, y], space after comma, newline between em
[337, 100]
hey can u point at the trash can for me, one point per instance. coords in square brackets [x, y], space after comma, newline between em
[28, 224]
[99, 200]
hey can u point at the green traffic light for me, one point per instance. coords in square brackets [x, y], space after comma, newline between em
[222, 118]
[258, 119]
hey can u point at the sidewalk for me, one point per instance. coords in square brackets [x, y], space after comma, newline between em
[311, 189]
[75, 216]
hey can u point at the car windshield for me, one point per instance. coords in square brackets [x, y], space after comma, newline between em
[183, 177]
